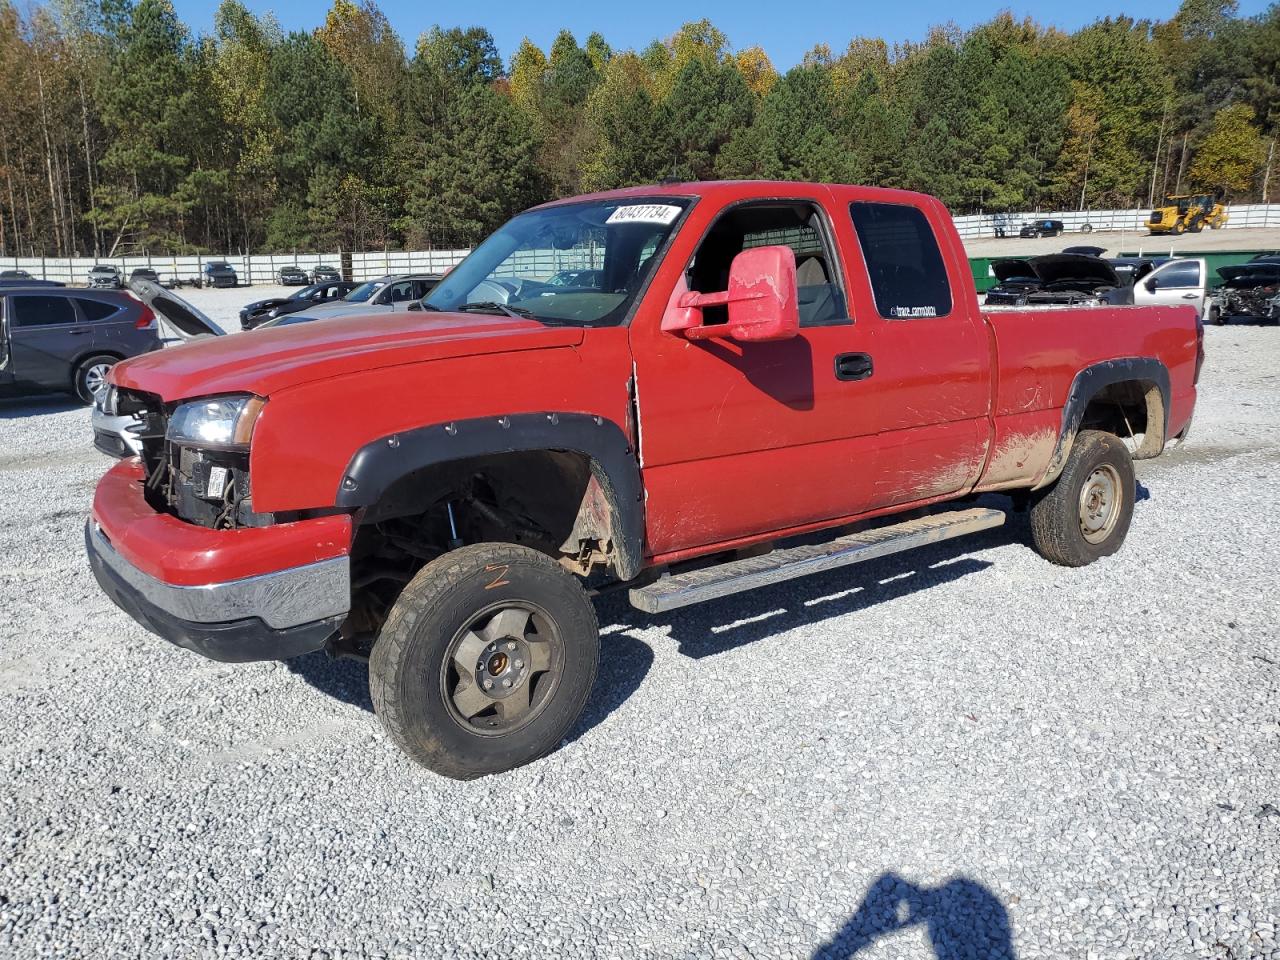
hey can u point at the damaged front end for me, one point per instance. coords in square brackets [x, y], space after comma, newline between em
[1251, 291]
[195, 456]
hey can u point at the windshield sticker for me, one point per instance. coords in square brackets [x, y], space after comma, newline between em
[662, 213]
[910, 312]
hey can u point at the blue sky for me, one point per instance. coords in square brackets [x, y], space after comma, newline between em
[785, 31]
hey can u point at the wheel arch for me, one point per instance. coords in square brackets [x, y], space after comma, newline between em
[379, 465]
[1128, 391]
[85, 355]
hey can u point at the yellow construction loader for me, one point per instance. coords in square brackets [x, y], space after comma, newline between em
[1187, 213]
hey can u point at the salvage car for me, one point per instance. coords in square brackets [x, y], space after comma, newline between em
[64, 340]
[253, 315]
[105, 277]
[143, 273]
[14, 275]
[322, 273]
[764, 365]
[1250, 290]
[386, 294]
[292, 276]
[1057, 279]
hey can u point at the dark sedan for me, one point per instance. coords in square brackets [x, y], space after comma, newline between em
[219, 273]
[323, 272]
[1042, 228]
[260, 311]
[293, 276]
[143, 273]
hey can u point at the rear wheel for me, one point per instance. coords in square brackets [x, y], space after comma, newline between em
[485, 661]
[1179, 228]
[1085, 515]
[90, 377]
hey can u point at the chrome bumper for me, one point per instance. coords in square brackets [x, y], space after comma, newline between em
[282, 599]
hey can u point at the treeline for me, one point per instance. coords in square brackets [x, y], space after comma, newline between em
[122, 132]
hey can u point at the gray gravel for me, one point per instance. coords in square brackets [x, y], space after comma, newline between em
[964, 752]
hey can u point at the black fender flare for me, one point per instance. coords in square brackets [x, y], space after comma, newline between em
[1086, 385]
[380, 463]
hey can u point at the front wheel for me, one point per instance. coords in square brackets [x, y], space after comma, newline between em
[1085, 515]
[485, 661]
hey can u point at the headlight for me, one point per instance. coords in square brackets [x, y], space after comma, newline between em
[221, 421]
[106, 400]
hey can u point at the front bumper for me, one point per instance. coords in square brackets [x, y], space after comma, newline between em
[265, 614]
[112, 435]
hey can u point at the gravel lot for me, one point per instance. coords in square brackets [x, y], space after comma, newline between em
[962, 752]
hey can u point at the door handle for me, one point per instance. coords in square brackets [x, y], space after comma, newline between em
[79, 331]
[1191, 296]
[853, 366]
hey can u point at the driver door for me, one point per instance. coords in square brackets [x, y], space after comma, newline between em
[740, 438]
[1178, 283]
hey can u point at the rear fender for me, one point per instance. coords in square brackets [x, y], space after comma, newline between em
[1086, 385]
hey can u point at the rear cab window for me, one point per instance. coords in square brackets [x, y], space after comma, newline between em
[908, 276]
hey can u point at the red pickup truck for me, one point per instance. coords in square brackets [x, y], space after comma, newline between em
[692, 390]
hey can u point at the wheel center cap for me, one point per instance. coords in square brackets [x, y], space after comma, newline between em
[497, 663]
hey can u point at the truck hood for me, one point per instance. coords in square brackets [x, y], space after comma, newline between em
[267, 361]
[1014, 269]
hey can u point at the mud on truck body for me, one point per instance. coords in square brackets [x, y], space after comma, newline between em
[443, 489]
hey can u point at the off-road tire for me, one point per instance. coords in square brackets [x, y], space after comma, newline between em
[1057, 524]
[1179, 228]
[411, 657]
[87, 372]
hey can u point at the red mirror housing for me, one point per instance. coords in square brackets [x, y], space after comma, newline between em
[762, 300]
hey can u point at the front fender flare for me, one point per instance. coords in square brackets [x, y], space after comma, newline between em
[380, 463]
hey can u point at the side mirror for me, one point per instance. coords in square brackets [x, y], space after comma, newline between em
[762, 301]
[416, 305]
[1151, 284]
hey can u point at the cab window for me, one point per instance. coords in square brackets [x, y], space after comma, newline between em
[797, 225]
[1179, 275]
[908, 277]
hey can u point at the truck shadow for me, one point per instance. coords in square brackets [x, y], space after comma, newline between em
[962, 919]
[721, 625]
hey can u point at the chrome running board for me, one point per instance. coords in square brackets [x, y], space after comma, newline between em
[736, 576]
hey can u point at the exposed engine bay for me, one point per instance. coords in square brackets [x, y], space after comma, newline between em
[1250, 290]
[1060, 279]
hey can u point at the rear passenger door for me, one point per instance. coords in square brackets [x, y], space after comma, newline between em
[46, 335]
[928, 347]
[114, 329]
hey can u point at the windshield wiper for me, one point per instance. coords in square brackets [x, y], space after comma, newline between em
[492, 306]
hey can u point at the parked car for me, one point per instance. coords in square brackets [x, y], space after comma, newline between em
[104, 276]
[1057, 279]
[434, 489]
[1183, 281]
[384, 295]
[292, 276]
[219, 273]
[322, 273]
[255, 314]
[117, 434]
[1085, 250]
[143, 273]
[1042, 228]
[1249, 290]
[66, 340]
[14, 275]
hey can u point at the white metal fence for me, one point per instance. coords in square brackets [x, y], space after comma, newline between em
[1130, 221]
[543, 263]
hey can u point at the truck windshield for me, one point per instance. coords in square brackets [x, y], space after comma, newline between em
[580, 263]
